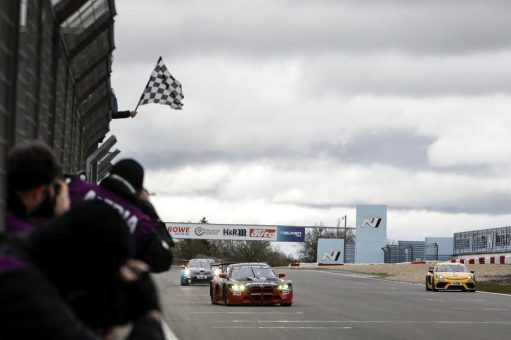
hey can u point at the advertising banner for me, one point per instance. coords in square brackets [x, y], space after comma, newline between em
[371, 233]
[291, 234]
[238, 232]
[330, 251]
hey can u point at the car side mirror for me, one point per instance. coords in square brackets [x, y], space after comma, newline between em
[431, 270]
[472, 271]
[223, 275]
[282, 275]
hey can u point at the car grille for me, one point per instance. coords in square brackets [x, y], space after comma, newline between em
[261, 289]
[261, 293]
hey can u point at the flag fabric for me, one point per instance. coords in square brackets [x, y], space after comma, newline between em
[162, 88]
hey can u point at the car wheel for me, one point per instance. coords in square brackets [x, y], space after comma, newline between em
[286, 304]
[427, 287]
[212, 295]
[224, 296]
[433, 288]
[184, 282]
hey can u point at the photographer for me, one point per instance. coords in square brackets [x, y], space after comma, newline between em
[122, 189]
[46, 273]
[34, 192]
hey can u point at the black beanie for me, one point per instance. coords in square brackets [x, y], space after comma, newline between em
[131, 171]
[83, 247]
[30, 165]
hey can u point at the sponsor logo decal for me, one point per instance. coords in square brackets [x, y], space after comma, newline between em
[235, 232]
[179, 230]
[291, 233]
[372, 223]
[200, 231]
[263, 233]
[331, 255]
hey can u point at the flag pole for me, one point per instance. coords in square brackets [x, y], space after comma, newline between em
[145, 87]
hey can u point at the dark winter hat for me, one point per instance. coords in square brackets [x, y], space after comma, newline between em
[83, 247]
[131, 171]
[31, 165]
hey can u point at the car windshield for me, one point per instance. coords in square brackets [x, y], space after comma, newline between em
[451, 268]
[199, 264]
[252, 271]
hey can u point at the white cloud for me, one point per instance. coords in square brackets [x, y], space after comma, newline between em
[297, 111]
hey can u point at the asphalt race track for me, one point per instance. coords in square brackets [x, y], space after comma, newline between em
[331, 305]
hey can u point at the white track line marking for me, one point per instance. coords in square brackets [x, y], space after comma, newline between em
[371, 321]
[369, 276]
[250, 313]
[169, 335]
[304, 327]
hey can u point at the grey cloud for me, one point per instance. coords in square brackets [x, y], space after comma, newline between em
[495, 203]
[396, 148]
[256, 28]
[399, 74]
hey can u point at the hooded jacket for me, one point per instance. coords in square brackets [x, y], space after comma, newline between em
[81, 250]
[152, 245]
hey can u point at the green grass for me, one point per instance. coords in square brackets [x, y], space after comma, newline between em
[494, 288]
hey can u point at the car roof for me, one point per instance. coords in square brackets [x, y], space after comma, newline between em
[250, 264]
[450, 264]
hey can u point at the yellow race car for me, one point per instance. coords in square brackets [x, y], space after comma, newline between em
[450, 276]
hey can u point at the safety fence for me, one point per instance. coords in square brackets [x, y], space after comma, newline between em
[55, 77]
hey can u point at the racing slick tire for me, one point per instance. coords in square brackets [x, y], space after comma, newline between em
[224, 296]
[433, 288]
[212, 295]
[184, 283]
[427, 288]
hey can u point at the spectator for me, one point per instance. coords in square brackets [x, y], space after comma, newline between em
[116, 114]
[34, 193]
[121, 189]
[43, 271]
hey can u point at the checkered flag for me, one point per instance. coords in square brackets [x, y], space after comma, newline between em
[162, 88]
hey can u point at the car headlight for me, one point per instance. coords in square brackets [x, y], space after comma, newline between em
[470, 277]
[187, 272]
[283, 287]
[440, 277]
[238, 288]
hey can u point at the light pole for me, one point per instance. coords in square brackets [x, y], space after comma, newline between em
[345, 217]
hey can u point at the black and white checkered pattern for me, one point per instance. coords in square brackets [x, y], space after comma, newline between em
[162, 88]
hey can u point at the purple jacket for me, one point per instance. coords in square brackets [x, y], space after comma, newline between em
[149, 246]
[15, 224]
[8, 263]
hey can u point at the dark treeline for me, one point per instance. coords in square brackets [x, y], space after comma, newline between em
[231, 251]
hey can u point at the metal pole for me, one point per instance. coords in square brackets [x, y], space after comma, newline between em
[345, 218]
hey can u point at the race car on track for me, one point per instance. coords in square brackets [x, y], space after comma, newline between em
[196, 271]
[250, 284]
[450, 276]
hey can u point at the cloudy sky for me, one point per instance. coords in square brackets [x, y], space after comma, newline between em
[296, 111]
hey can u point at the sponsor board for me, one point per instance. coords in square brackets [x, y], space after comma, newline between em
[267, 233]
[235, 232]
[291, 234]
[330, 251]
[371, 233]
[221, 231]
